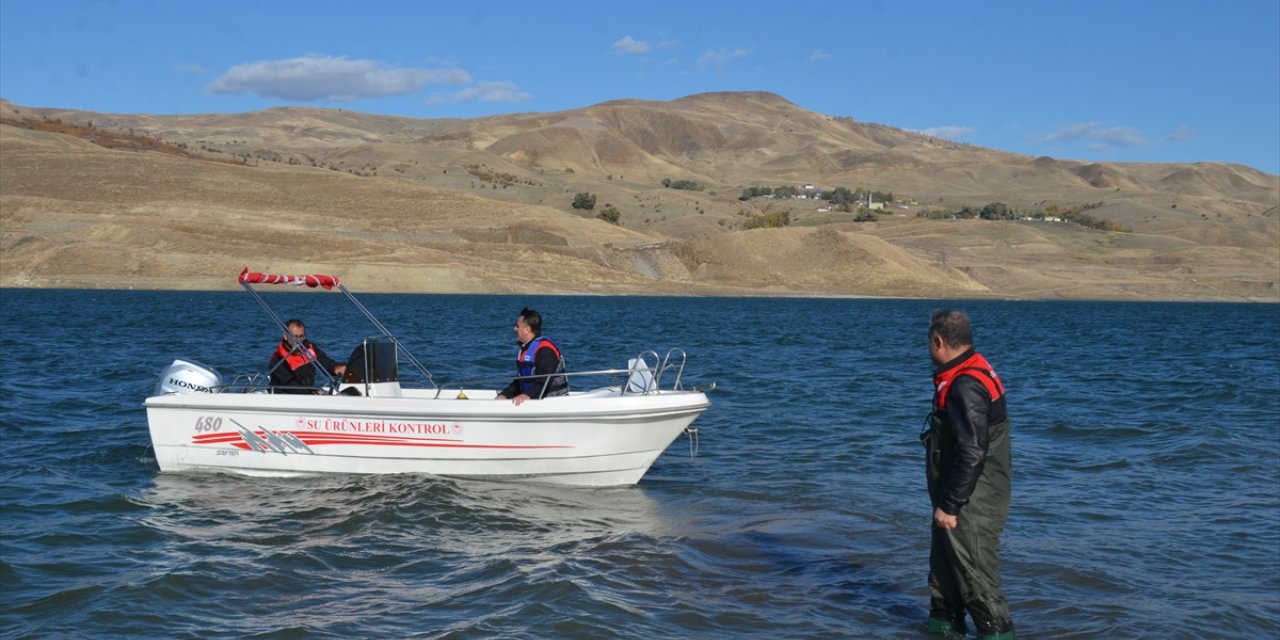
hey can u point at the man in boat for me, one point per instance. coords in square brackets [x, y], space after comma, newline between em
[538, 363]
[293, 366]
[968, 465]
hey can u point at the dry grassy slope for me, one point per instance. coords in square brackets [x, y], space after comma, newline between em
[728, 140]
[823, 260]
[736, 139]
[63, 198]
[77, 214]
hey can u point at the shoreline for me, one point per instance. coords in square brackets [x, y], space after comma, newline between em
[713, 292]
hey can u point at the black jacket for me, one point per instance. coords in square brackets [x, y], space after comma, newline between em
[970, 446]
[304, 375]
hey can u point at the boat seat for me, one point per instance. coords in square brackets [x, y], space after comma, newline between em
[641, 378]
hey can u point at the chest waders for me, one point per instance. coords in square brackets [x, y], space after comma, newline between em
[964, 563]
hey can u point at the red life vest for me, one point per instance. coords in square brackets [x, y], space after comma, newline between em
[976, 367]
[296, 360]
[528, 353]
[525, 365]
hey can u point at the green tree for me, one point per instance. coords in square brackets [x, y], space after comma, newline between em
[841, 195]
[771, 220]
[584, 201]
[995, 211]
[609, 214]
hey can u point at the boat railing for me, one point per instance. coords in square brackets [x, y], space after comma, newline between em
[247, 383]
[667, 363]
[641, 370]
[642, 376]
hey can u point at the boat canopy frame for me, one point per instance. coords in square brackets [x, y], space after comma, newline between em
[643, 375]
[248, 278]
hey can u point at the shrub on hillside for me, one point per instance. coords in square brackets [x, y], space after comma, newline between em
[772, 220]
[584, 201]
[681, 184]
[610, 215]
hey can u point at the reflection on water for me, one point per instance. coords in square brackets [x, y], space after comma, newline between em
[418, 539]
[228, 514]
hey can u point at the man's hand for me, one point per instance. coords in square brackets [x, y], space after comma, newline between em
[945, 520]
[519, 400]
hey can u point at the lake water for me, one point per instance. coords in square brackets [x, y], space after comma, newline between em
[1146, 501]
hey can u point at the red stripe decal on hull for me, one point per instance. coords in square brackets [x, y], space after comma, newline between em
[313, 438]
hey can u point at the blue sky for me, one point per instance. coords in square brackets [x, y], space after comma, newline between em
[1126, 81]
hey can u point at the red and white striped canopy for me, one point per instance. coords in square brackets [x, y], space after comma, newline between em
[313, 281]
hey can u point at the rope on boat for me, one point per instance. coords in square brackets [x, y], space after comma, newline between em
[693, 441]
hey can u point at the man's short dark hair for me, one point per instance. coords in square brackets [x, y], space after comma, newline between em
[952, 325]
[533, 319]
[294, 322]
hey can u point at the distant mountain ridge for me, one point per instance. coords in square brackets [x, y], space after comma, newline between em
[764, 136]
[621, 151]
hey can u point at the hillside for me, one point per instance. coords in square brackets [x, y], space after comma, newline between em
[483, 205]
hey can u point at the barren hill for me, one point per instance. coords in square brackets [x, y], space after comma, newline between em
[484, 205]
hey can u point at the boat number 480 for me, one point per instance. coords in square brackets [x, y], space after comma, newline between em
[208, 423]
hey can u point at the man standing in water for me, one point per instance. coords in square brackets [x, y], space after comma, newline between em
[968, 465]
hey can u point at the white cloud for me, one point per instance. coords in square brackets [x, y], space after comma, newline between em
[483, 92]
[1183, 132]
[953, 133]
[1103, 138]
[819, 55]
[630, 45]
[316, 78]
[716, 59]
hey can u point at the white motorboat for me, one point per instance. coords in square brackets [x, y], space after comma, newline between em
[369, 422]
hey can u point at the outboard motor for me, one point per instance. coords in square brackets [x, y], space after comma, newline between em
[184, 376]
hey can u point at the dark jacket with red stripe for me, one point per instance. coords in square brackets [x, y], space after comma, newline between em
[298, 370]
[969, 457]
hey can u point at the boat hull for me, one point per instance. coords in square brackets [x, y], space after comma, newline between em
[600, 438]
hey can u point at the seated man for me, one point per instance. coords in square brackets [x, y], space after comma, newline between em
[293, 369]
[540, 358]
